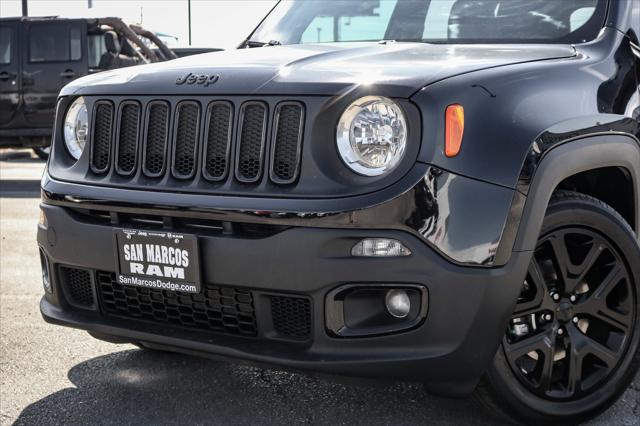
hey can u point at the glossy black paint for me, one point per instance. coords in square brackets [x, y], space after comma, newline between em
[434, 209]
[534, 114]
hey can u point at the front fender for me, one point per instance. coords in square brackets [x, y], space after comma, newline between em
[568, 158]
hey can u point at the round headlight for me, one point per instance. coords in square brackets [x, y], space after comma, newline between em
[76, 128]
[372, 135]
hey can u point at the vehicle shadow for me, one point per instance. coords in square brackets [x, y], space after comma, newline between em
[146, 387]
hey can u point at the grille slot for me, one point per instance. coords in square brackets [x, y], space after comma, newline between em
[127, 146]
[157, 136]
[215, 308]
[101, 142]
[218, 140]
[78, 286]
[287, 140]
[291, 316]
[250, 153]
[186, 140]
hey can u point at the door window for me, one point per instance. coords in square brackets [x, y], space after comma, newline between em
[6, 38]
[96, 47]
[54, 43]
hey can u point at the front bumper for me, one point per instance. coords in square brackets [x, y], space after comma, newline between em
[468, 306]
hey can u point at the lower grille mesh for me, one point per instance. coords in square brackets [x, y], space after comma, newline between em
[77, 286]
[214, 308]
[291, 316]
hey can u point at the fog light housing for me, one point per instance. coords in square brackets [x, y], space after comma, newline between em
[357, 310]
[46, 276]
[398, 303]
[380, 247]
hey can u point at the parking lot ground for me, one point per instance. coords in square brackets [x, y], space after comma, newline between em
[56, 375]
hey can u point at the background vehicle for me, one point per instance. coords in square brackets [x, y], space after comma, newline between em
[38, 56]
[449, 195]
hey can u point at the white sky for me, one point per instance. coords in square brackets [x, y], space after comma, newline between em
[214, 23]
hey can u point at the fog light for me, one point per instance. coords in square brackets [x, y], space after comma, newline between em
[44, 264]
[398, 303]
[380, 247]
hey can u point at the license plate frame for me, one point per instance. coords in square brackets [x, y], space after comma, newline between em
[160, 260]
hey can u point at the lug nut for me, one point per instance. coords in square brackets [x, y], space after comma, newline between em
[547, 317]
[573, 298]
[555, 296]
[560, 332]
[575, 320]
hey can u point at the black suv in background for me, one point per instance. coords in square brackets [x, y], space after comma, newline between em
[38, 56]
[445, 191]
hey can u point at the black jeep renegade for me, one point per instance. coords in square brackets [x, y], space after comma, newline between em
[444, 191]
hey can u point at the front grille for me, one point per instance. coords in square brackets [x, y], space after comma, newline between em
[101, 145]
[215, 308]
[211, 142]
[78, 287]
[291, 316]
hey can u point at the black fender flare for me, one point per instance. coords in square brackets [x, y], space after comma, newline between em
[572, 157]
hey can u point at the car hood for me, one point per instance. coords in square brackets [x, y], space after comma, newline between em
[395, 69]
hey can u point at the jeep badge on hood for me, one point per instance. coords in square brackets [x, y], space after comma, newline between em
[202, 79]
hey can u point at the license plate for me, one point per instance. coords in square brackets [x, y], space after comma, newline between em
[158, 260]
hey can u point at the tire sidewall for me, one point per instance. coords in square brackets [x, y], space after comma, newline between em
[598, 217]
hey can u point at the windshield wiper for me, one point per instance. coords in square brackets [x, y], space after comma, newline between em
[252, 43]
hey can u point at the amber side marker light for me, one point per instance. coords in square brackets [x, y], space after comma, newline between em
[454, 130]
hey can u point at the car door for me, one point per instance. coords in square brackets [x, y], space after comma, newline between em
[9, 71]
[54, 56]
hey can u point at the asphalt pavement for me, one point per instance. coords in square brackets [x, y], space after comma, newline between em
[56, 375]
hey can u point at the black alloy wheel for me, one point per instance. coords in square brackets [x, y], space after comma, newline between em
[573, 321]
[571, 347]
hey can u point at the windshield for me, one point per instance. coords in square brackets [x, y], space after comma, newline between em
[432, 21]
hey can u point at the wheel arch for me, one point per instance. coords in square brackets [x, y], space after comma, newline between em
[575, 159]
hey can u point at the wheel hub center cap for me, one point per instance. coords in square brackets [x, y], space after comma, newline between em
[564, 312]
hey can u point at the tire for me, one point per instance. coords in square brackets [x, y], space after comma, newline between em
[573, 365]
[42, 152]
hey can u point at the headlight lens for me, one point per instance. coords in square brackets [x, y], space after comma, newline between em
[76, 128]
[372, 135]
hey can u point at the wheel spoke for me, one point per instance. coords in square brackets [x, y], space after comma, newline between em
[537, 342]
[561, 255]
[609, 283]
[612, 318]
[538, 303]
[583, 345]
[574, 382]
[546, 375]
[596, 304]
[585, 267]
